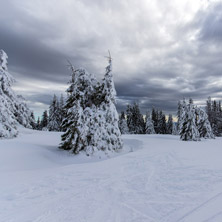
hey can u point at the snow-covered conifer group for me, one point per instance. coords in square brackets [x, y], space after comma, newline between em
[91, 119]
[14, 110]
[193, 122]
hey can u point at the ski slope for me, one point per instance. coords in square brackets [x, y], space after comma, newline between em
[156, 178]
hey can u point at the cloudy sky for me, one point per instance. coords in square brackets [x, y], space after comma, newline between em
[162, 50]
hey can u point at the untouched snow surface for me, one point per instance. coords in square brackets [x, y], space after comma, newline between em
[155, 178]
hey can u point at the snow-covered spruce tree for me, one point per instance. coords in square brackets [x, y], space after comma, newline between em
[123, 124]
[149, 124]
[8, 127]
[91, 120]
[54, 115]
[14, 110]
[203, 124]
[169, 124]
[113, 135]
[188, 128]
[77, 118]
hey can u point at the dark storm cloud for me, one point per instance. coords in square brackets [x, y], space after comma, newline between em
[22, 37]
[159, 56]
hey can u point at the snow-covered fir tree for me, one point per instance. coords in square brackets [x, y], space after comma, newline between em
[203, 124]
[113, 134]
[188, 127]
[77, 118]
[149, 124]
[169, 124]
[8, 127]
[91, 120]
[54, 115]
[123, 123]
[14, 110]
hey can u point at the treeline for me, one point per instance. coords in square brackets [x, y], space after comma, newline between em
[191, 123]
[13, 108]
[134, 122]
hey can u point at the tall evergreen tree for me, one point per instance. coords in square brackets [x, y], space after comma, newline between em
[8, 127]
[75, 137]
[113, 135]
[203, 124]
[189, 130]
[14, 110]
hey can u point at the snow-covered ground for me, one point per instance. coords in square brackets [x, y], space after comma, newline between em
[156, 178]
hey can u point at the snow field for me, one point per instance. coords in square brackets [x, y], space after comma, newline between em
[163, 179]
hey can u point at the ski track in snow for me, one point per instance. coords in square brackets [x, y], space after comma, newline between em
[161, 181]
